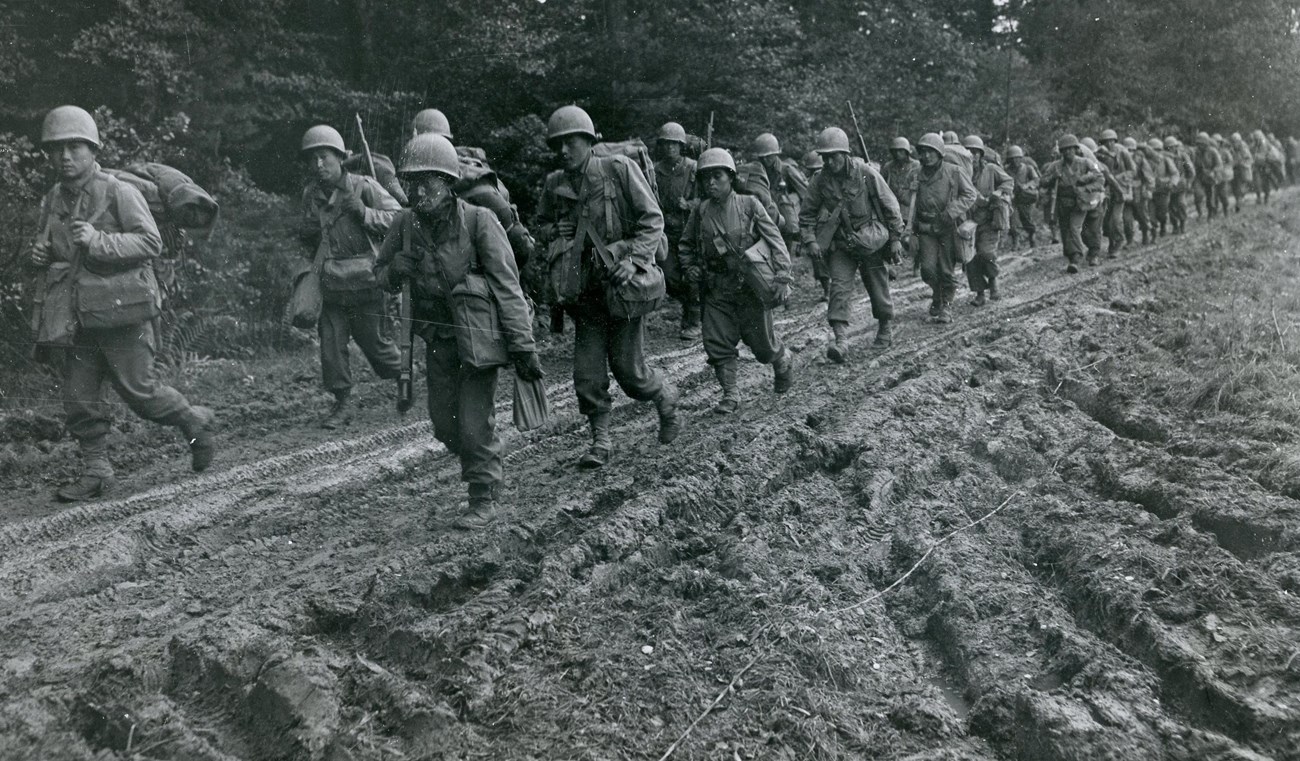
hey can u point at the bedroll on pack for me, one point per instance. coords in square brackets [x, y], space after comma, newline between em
[173, 198]
[636, 151]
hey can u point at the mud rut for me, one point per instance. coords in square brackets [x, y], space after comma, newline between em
[310, 606]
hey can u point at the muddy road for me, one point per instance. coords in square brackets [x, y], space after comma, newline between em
[1063, 527]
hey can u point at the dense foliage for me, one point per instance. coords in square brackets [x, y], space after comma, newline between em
[224, 88]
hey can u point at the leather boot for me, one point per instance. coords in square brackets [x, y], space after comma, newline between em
[838, 351]
[666, 404]
[979, 299]
[1031, 239]
[598, 454]
[482, 508]
[691, 330]
[726, 375]
[86, 488]
[994, 294]
[340, 413]
[884, 335]
[782, 371]
[945, 313]
[936, 298]
[196, 425]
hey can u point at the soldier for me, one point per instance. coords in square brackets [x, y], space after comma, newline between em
[720, 229]
[1186, 177]
[1119, 161]
[812, 163]
[1243, 168]
[991, 214]
[1166, 178]
[1227, 171]
[943, 197]
[955, 153]
[97, 303]
[1079, 187]
[788, 185]
[600, 207]
[1209, 165]
[437, 246]
[675, 176]
[1135, 212]
[902, 173]
[344, 215]
[852, 219]
[1025, 176]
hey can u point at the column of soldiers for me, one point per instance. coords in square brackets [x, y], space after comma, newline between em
[441, 226]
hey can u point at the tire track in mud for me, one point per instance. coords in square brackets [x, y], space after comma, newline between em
[441, 625]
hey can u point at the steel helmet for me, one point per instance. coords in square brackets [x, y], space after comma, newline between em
[973, 143]
[69, 123]
[1203, 137]
[765, 145]
[1130, 143]
[1067, 141]
[323, 136]
[672, 131]
[1108, 134]
[1236, 137]
[1155, 144]
[949, 137]
[570, 120]
[1088, 143]
[1171, 142]
[1218, 138]
[716, 158]
[832, 140]
[1015, 152]
[812, 160]
[429, 152]
[900, 144]
[431, 121]
[932, 141]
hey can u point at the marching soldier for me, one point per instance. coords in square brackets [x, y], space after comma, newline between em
[720, 229]
[812, 163]
[344, 215]
[1243, 168]
[852, 218]
[1186, 177]
[1079, 187]
[1135, 211]
[1209, 164]
[955, 153]
[98, 302]
[902, 173]
[1116, 158]
[1166, 178]
[991, 214]
[1025, 196]
[944, 195]
[599, 209]
[675, 178]
[437, 246]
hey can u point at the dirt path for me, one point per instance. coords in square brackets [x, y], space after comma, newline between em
[1134, 597]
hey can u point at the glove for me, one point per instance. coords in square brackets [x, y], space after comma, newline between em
[354, 206]
[895, 251]
[782, 294]
[527, 367]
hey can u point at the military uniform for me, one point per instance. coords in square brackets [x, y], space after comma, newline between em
[991, 215]
[442, 251]
[944, 195]
[1079, 186]
[1243, 168]
[1135, 211]
[838, 206]
[902, 177]
[354, 307]
[676, 184]
[1166, 177]
[1119, 164]
[1186, 179]
[716, 234]
[1025, 178]
[1209, 167]
[603, 342]
[98, 306]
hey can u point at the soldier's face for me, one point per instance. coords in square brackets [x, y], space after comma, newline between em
[930, 157]
[72, 159]
[574, 150]
[325, 164]
[428, 191]
[671, 149]
[1069, 153]
[771, 162]
[836, 162]
[717, 183]
[900, 155]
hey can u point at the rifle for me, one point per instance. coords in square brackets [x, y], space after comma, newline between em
[708, 136]
[405, 389]
[862, 142]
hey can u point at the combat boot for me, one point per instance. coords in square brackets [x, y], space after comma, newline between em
[726, 375]
[783, 372]
[666, 404]
[936, 299]
[598, 454]
[340, 413]
[691, 330]
[196, 425]
[884, 335]
[482, 508]
[87, 487]
[1031, 239]
[838, 351]
[945, 313]
[994, 294]
[825, 294]
[979, 299]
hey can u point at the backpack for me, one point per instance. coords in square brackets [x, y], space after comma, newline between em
[636, 151]
[477, 180]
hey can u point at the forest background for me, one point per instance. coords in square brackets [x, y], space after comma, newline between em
[223, 90]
